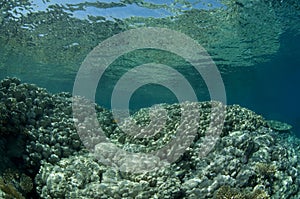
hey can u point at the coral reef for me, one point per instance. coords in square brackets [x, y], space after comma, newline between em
[227, 192]
[9, 191]
[14, 184]
[93, 180]
[266, 170]
[39, 140]
[35, 125]
[279, 126]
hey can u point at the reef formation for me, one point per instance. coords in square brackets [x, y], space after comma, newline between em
[39, 142]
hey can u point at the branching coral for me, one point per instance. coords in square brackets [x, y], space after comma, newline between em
[10, 191]
[227, 192]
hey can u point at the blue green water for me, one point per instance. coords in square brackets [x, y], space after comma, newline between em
[263, 77]
[272, 88]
